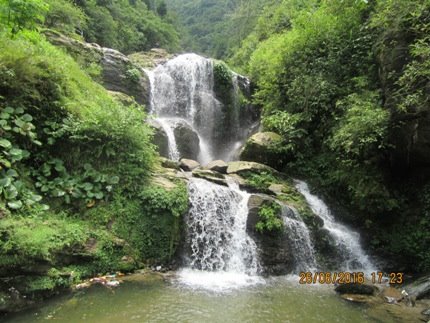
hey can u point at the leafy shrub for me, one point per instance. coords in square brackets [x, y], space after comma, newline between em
[270, 221]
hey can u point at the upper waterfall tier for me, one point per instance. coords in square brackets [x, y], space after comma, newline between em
[197, 97]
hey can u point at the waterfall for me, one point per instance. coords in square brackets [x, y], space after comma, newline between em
[300, 240]
[168, 129]
[347, 241]
[183, 88]
[220, 252]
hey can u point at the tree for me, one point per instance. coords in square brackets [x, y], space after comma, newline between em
[22, 14]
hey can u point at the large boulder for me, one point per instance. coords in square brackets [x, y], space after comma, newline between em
[219, 166]
[188, 165]
[210, 176]
[261, 148]
[275, 253]
[119, 74]
[187, 141]
[238, 167]
[419, 288]
[160, 138]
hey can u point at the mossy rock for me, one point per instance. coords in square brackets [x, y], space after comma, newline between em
[262, 148]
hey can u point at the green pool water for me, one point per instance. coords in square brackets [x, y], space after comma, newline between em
[152, 299]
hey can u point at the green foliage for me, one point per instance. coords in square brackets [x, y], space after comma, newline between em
[270, 221]
[152, 225]
[16, 128]
[53, 180]
[22, 14]
[222, 76]
[362, 130]
[260, 180]
[65, 16]
[288, 126]
[127, 26]
[133, 75]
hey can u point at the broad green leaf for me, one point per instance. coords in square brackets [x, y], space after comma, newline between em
[12, 173]
[5, 182]
[113, 180]
[99, 195]
[15, 205]
[5, 143]
[27, 118]
[88, 186]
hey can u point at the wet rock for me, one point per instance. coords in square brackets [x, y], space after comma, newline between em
[217, 166]
[188, 164]
[360, 289]
[419, 288]
[187, 141]
[274, 250]
[261, 148]
[237, 167]
[160, 138]
[211, 176]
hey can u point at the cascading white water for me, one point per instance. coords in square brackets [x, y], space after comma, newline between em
[168, 129]
[348, 241]
[300, 240]
[183, 88]
[221, 253]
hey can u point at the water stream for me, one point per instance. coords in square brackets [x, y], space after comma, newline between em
[220, 252]
[347, 240]
[300, 240]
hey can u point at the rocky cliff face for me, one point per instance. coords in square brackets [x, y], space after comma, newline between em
[118, 72]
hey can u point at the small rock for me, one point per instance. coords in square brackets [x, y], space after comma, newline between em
[361, 289]
[217, 166]
[357, 298]
[83, 285]
[112, 283]
[188, 164]
[426, 312]
[158, 268]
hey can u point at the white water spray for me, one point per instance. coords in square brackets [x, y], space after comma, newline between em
[347, 241]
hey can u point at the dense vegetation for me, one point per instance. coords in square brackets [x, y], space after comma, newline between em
[74, 163]
[346, 85]
[215, 27]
